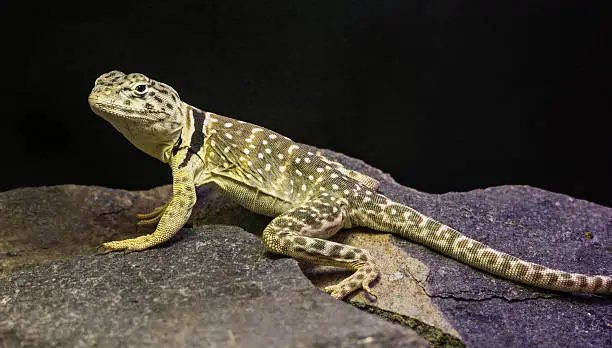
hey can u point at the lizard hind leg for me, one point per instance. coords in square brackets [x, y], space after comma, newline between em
[300, 233]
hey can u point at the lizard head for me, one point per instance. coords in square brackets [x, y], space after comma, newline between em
[148, 113]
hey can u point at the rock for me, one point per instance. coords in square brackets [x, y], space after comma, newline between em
[40, 224]
[552, 229]
[214, 285]
[208, 287]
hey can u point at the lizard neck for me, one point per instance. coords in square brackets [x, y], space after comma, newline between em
[164, 149]
[193, 130]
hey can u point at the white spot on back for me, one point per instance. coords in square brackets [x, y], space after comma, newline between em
[272, 136]
[267, 168]
[229, 136]
[292, 147]
[227, 125]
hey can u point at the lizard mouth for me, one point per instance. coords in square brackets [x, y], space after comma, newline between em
[117, 111]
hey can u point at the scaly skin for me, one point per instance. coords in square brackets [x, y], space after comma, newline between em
[310, 196]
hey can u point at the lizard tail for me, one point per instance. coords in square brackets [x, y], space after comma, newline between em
[388, 216]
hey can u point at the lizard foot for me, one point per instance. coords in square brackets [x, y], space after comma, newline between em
[132, 244]
[152, 217]
[362, 278]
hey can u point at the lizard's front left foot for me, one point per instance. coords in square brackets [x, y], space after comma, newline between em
[132, 244]
[362, 278]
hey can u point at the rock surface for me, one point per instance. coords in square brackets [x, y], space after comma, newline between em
[552, 229]
[209, 287]
[213, 284]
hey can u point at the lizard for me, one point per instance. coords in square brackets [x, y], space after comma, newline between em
[309, 196]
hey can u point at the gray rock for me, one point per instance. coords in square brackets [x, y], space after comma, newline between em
[213, 285]
[552, 229]
[40, 224]
[208, 287]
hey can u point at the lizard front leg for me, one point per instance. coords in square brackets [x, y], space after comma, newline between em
[172, 216]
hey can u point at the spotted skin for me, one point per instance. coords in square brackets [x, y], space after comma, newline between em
[310, 196]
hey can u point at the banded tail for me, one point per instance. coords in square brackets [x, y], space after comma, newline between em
[388, 216]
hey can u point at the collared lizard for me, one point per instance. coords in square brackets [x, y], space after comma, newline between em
[310, 197]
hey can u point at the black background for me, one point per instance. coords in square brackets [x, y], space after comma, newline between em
[444, 95]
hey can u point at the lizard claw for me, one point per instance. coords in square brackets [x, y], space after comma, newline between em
[101, 250]
[369, 292]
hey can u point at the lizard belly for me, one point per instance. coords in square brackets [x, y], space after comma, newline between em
[250, 197]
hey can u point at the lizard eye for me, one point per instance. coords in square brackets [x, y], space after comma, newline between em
[141, 89]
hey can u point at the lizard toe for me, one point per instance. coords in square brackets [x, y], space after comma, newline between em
[361, 279]
[101, 250]
[128, 245]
